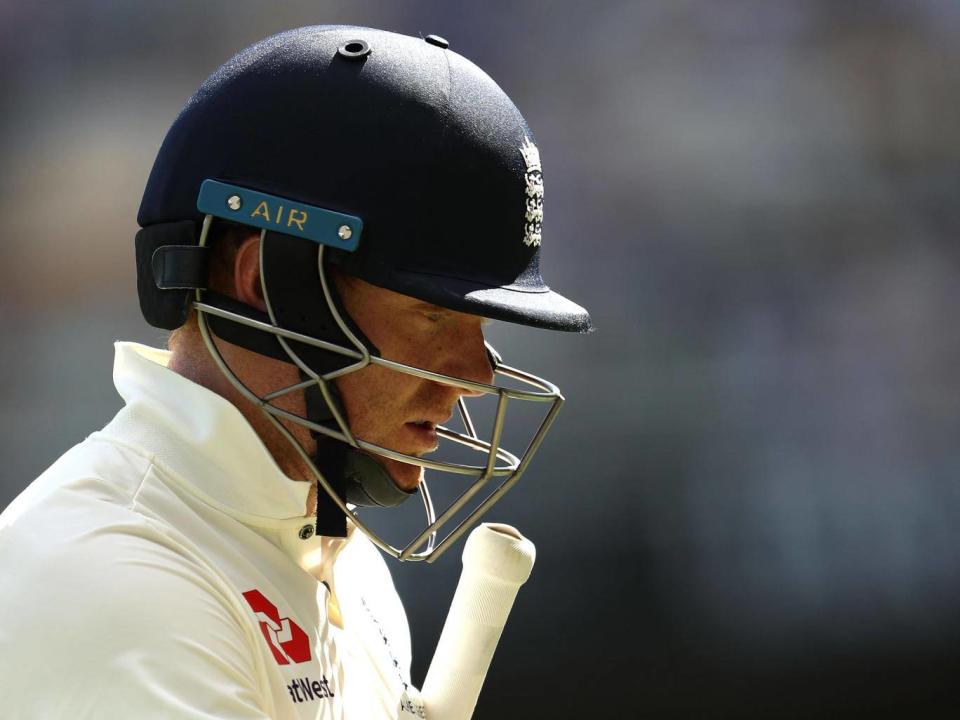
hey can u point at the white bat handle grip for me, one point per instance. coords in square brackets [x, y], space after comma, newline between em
[497, 560]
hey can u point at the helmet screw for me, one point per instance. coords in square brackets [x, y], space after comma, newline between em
[344, 232]
[354, 50]
[234, 202]
[306, 532]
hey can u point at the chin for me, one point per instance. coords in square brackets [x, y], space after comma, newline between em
[406, 476]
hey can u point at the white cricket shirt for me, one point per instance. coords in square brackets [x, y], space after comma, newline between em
[158, 570]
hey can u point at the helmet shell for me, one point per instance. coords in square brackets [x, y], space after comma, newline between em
[406, 134]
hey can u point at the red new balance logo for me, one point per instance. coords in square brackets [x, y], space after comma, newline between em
[286, 640]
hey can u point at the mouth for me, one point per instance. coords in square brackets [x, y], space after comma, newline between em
[423, 433]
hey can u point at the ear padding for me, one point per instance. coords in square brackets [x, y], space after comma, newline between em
[167, 307]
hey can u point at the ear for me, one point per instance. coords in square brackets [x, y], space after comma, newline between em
[246, 273]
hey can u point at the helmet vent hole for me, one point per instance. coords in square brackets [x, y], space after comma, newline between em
[354, 49]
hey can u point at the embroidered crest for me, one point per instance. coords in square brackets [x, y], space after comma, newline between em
[534, 178]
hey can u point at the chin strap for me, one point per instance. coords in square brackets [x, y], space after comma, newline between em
[328, 458]
[258, 341]
[356, 477]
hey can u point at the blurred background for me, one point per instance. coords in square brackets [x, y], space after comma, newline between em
[749, 507]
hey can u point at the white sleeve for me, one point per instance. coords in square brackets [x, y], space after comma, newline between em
[113, 625]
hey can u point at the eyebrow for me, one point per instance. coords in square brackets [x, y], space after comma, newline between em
[423, 305]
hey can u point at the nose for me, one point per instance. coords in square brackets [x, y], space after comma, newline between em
[470, 360]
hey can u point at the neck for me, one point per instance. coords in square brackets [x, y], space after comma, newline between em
[191, 359]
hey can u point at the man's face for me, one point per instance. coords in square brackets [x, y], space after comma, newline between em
[398, 411]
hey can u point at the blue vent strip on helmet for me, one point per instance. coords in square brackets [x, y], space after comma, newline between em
[271, 212]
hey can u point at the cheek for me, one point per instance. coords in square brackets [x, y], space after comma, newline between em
[374, 399]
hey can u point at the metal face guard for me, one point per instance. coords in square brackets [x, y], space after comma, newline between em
[499, 463]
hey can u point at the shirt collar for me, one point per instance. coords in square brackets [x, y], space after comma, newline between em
[203, 439]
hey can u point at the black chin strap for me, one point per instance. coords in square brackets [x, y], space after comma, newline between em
[356, 477]
[258, 341]
[328, 458]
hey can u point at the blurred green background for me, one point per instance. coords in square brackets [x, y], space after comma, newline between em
[749, 507]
